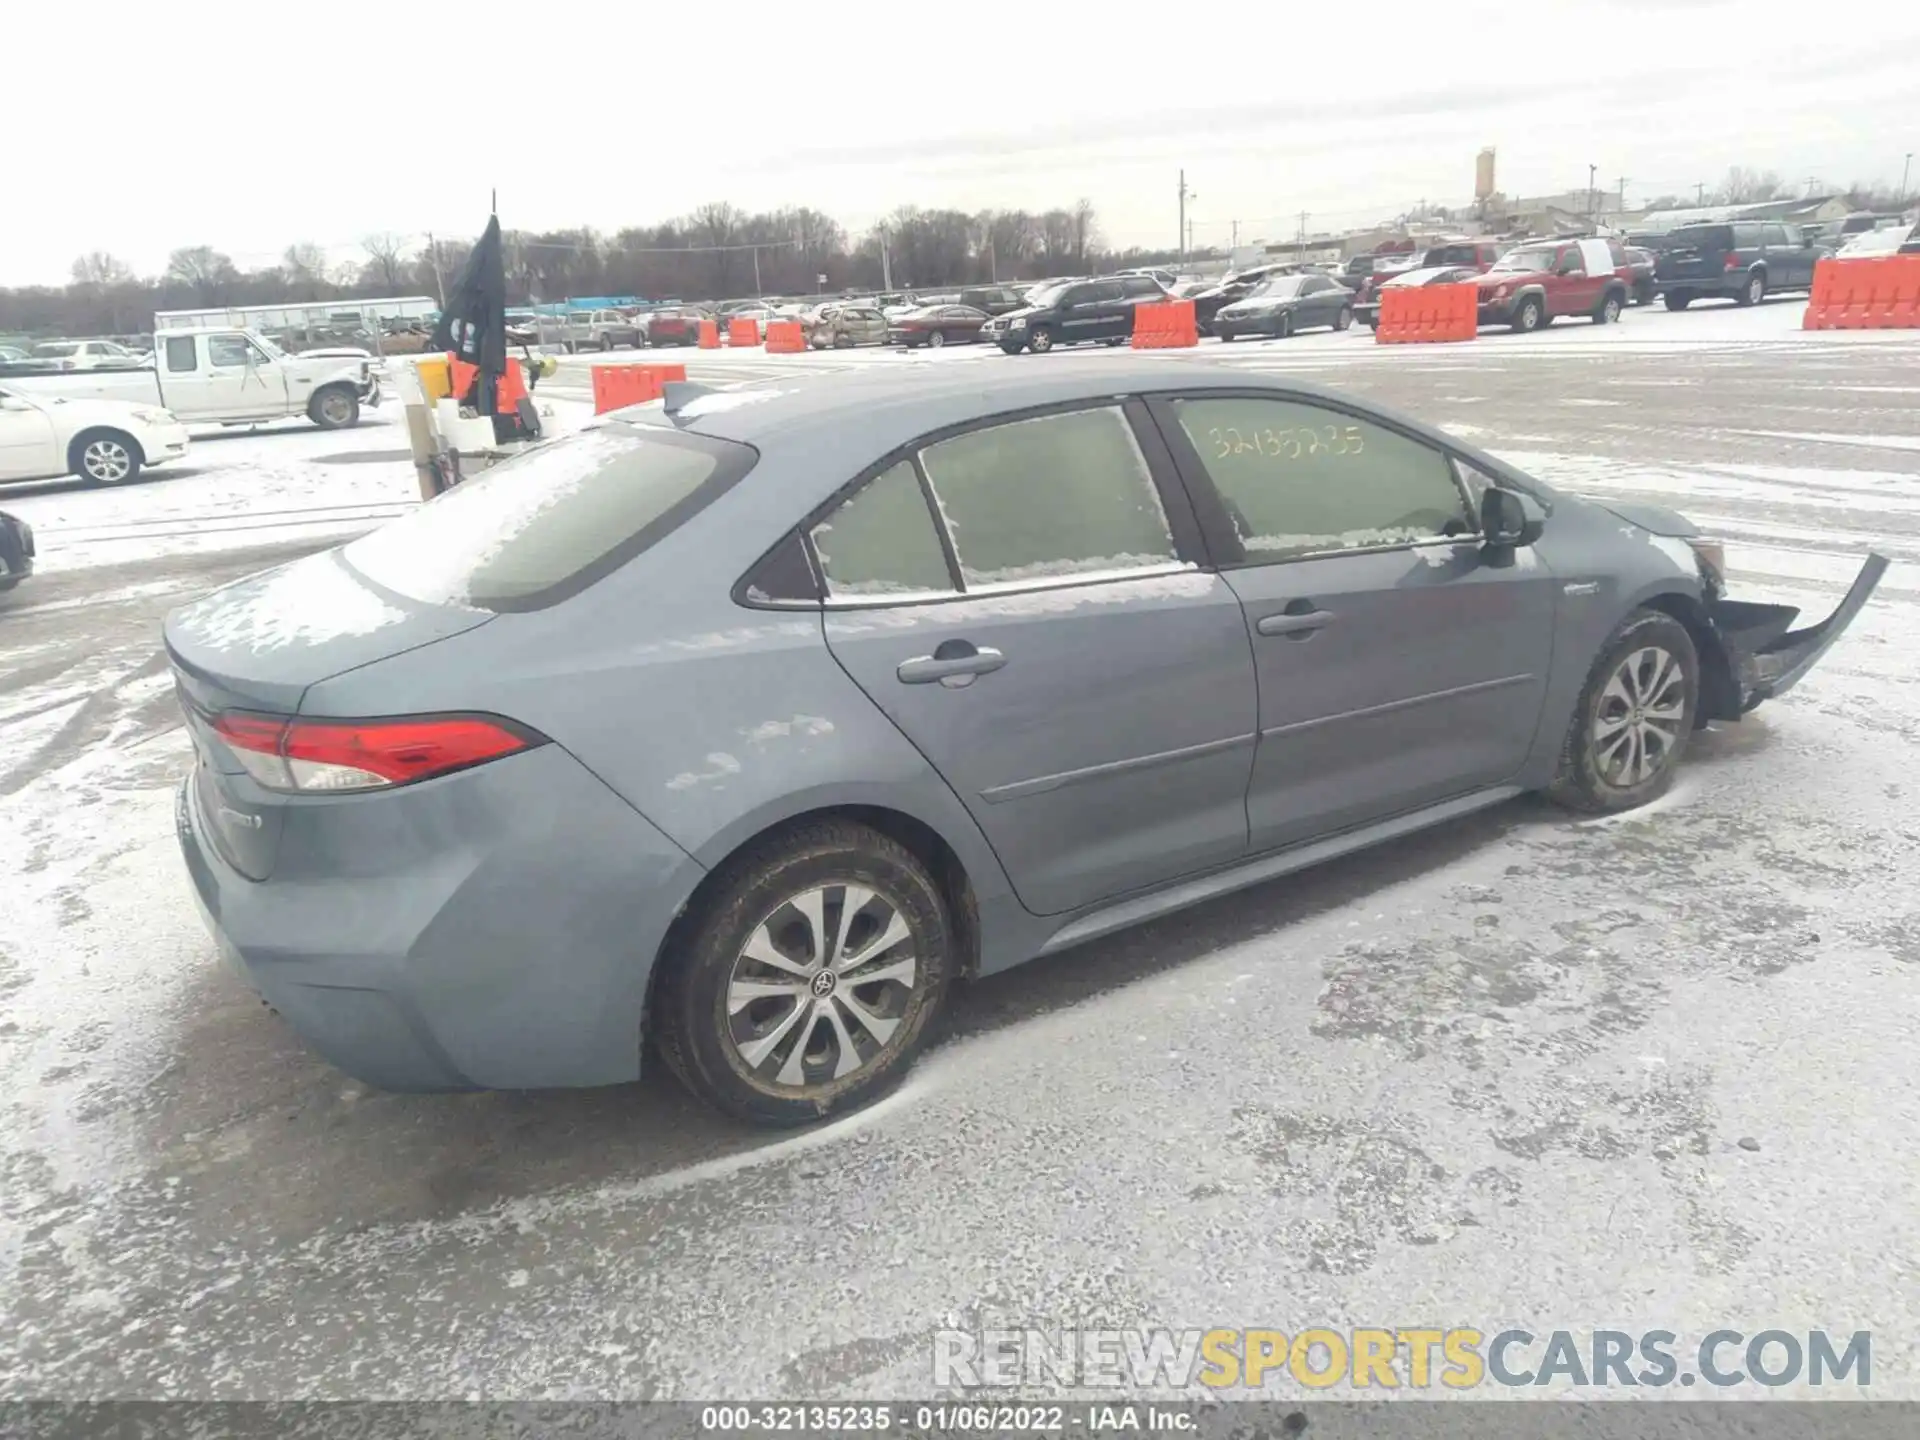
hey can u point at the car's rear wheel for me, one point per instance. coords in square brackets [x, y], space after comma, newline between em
[1678, 299]
[1754, 291]
[1344, 320]
[1528, 317]
[1635, 716]
[1283, 327]
[1608, 312]
[937, 339]
[809, 978]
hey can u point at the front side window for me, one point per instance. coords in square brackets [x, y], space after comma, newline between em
[1298, 479]
[1057, 495]
[231, 351]
[881, 541]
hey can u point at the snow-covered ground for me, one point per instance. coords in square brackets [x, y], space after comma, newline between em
[1656, 1071]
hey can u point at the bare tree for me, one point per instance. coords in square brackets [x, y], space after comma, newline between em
[1085, 234]
[386, 261]
[97, 267]
[304, 268]
[204, 271]
[1749, 187]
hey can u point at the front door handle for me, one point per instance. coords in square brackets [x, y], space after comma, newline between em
[1295, 627]
[955, 664]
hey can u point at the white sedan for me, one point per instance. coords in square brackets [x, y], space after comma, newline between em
[87, 355]
[106, 441]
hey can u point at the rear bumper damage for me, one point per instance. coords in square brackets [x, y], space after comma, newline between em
[1765, 656]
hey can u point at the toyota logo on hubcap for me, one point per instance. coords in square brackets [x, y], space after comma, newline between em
[823, 984]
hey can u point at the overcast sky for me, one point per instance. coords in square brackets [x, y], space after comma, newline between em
[247, 127]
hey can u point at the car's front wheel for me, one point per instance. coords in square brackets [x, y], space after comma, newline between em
[1040, 339]
[809, 977]
[106, 457]
[1528, 317]
[1635, 716]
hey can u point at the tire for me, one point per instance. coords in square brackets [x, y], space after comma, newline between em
[1637, 673]
[937, 339]
[1283, 330]
[1373, 322]
[1040, 339]
[1644, 292]
[606, 343]
[1528, 317]
[1006, 349]
[1344, 320]
[1678, 299]
[334, 407]
[1226, 337]
[1753, 292]
[771, 929]
[1609, 310]
[106, 457]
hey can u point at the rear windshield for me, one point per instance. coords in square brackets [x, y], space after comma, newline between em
[1701, 237]
[542, 526]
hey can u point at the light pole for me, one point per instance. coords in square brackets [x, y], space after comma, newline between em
[1185, 195]
[1905, 170]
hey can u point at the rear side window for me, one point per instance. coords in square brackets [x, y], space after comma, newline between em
[537, 528]
[881, 541]
[1746, 236]
[1301, 480]
[1055, 495]
[180, 359]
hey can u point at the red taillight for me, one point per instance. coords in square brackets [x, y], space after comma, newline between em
[1733, 263]
[296, 755]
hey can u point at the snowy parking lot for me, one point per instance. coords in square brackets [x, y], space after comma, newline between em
[1654, 1071]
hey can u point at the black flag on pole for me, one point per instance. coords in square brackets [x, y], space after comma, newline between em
[473, 326]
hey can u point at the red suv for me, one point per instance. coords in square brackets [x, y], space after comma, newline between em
[1536, 283]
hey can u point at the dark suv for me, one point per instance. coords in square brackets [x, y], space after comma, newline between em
[1074, 312]
[1740, 260]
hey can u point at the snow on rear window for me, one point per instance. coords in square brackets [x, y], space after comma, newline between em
[546, 521]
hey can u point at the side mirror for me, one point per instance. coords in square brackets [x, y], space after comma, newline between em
[1510, 520]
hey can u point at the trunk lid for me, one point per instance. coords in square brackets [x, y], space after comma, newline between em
[259, 645]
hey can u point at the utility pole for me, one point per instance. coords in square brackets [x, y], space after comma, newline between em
[1236, 223]
[1905, 170]
[1189, 250]
[1186, 230]
[1700, 193]
[439, 280]
[1592, 197]
[756, 272]
[886, 262]
[1300, 241]
[1623, 194]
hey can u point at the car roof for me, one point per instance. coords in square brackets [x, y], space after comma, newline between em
[886, 408]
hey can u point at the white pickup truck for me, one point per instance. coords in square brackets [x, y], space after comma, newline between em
[222, 377]
[106, 441]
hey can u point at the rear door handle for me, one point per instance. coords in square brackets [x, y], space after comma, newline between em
[1296, 627]
[955, 664]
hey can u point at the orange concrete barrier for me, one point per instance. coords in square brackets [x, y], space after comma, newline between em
[743, 332]
[785, 337]
[1166, 326]
[1416, 314]
[1877, 293]
[709, 335]
[617, 386]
